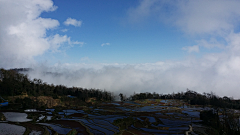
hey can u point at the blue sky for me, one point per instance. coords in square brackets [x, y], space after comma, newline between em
[125, 46]
[107, 22]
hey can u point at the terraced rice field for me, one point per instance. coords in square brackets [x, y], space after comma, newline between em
[139, 117]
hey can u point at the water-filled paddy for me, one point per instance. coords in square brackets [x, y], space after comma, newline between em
[11, 129]
[142, 117]
[16, 117]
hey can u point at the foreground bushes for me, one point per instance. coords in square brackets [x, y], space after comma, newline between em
[228, 123]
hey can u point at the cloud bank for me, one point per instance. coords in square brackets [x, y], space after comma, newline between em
[216, 73]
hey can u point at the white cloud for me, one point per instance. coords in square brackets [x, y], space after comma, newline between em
[84, 59]
[64, 30]
[192, 17]
[208, 16]
[234, 42]
[212, 43]
[103, 44]
[23, 32]
[78, 43]
[142, 11]
[73, 22]
[190, 49]
[57, 40]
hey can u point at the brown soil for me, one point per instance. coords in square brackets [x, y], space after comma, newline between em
[138, 132]
[48, 101]
[126, 133]
[139, 125]
[72, 124]
[128, 104]
[77, 115]
[138, 114]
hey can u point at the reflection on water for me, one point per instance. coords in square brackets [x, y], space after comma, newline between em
[9, 129]
[16, 117]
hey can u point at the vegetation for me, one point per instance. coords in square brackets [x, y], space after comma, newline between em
[227, 124]
[46, 132]
[72, 132]
[124, 123]
[2, 117]
[192, 98]
[13, 84]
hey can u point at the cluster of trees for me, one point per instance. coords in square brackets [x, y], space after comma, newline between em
[13, 83]
[192, 98]
[226, 124]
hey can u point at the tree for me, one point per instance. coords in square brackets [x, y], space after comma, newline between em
[121, 96]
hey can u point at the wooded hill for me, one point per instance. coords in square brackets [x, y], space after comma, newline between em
[13, 83]
[192, 98]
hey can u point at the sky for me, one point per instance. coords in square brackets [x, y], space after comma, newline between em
[125, 46]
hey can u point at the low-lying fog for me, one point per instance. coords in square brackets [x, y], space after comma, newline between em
[216, 74]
